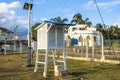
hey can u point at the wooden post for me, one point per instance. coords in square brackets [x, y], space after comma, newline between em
[36, 62]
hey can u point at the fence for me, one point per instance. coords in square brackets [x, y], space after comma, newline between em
[111, 50]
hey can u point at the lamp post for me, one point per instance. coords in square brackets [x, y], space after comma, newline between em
[28, 6]
[5, 46]
[15, 38]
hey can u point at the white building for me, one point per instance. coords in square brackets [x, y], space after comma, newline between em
[5, 34]
[78, 35]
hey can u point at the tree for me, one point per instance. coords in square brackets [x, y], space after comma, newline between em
[118, 31]
[99, 27]
[87, 21]
[58, 19]
[77, 18]
[34, 32]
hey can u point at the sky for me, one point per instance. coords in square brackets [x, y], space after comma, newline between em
[12, 13]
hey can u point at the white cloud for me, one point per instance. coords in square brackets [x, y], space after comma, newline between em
[9, 18]
[4, 7]
[43, 19]
[89, 4]
[105, 5]
[112, 3]
[117, 24]
[68, 10]
[38, 2]
[69, 13]
[109, 10]
[109, 4]
[14, 5]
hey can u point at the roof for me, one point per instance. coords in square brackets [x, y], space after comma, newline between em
[58, 23]
[55, 23]
[5, 30]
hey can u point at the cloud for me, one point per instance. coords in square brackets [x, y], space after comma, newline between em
[89, 4]
[7, 13]
[109, 4]
[68, 10]
[104, 5]
[43, 19]
[112, 3]
[38, 2]
[5, 8]
[9, 18]
[117, 22]
[69, 13]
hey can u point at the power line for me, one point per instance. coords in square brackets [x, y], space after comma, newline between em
[99, 13]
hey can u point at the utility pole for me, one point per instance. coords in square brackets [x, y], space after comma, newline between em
[28, 6]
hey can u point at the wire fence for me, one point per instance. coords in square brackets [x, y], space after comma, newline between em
[111, 51]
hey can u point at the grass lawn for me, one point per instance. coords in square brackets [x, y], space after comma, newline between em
[13, 67]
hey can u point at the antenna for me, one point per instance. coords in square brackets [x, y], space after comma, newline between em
[85, 15]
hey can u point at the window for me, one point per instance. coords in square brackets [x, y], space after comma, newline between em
[74, 29]
[88, 38]
[2, 34]
[80, 39]
[94, 38]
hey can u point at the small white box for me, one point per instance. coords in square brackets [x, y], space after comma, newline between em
[58, 70]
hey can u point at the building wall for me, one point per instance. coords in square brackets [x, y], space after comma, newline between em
[41, 37]
[50, 36]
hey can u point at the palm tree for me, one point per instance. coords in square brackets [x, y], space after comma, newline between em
[99, 27]
[87, 21]
[77, 18]
[58, 19]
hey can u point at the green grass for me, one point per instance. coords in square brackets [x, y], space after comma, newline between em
[13, 67]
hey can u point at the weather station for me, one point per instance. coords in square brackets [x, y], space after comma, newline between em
[50, 36]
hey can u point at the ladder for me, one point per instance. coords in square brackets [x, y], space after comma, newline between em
[49, 60]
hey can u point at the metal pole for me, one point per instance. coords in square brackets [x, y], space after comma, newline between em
[5, 45]
[102, 57]
[20, 43]
[29, 61]
[15, 38]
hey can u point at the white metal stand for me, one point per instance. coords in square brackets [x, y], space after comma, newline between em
[20, 48]
[48, 60]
